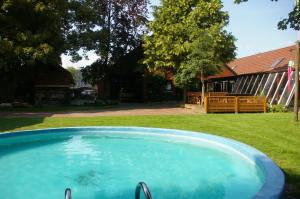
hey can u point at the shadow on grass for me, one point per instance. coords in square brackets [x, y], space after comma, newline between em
[292, 185]
[14, 124]
[45, 111]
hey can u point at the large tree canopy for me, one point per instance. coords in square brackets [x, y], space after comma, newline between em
[35, 32]
[188, 37]
[32, 31]
[116, 29]
[292, 21]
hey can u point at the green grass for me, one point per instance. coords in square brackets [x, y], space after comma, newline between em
[274, 134]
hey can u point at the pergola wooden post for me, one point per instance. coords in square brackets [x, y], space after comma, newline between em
[296, 97]
[236, 105]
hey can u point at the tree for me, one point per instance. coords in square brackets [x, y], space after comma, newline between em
[188, 37]
[114, 29]
[200, 62]
[32, 32]
[32, 36]
[292, 21]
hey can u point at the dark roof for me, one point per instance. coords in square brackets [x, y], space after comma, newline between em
[54, 76]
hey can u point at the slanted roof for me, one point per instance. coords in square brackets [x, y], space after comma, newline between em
[54, 76]
[225, 72]
[264, 62]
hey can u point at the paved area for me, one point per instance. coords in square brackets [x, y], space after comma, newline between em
[120, 110]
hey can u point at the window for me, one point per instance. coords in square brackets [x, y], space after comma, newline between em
[250, 85]
[274, 86]
[279, 88]
[287, 92]
[237, 84]
[244, 86]
[231, 84]
[262, 84]
[269, 84]
[242, 83]
[256, 83]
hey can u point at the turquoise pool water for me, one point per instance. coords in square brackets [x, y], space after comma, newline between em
[107, 164]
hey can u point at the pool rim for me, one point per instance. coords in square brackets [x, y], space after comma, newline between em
[273, 187]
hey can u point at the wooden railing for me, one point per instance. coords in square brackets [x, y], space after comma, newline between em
[195, 97]
[216, 94]
[231, 104]
[252, 104]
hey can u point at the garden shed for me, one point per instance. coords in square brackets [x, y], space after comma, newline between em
[53, 85]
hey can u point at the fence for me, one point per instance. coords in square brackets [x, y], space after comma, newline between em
[216, 94]
[195, 97]
[233, 104]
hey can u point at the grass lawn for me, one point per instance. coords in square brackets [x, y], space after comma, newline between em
[274, 134]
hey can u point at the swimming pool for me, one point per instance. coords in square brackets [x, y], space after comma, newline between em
[108, 162]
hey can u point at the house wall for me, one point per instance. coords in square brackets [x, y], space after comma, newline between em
[52, 95]
[221, 85]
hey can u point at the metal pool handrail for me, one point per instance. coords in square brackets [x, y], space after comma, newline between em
[68, 194]
[142, 185]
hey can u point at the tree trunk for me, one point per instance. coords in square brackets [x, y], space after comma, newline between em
[184, 94]
[202, 88]
[145, 86]
[296, 97]
[109, 32]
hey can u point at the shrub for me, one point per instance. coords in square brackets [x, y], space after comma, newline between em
[279, 108]
[156, 88]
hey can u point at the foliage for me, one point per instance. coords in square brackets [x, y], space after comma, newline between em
[40, 31]
[292, 21]
[95, 72]
[72, 70]
[156, 85]
[189, 37]
[126, 64]
[112, 29]
[32, 32]
[278, 108]
[202, 60]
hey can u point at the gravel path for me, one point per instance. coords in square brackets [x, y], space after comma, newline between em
[120, 110]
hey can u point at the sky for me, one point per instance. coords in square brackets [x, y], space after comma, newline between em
[254, 25]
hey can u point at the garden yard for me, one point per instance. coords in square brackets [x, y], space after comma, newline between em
[91, 55]
[274, 134]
